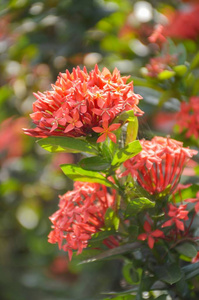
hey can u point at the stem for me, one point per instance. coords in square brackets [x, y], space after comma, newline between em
[187, 231]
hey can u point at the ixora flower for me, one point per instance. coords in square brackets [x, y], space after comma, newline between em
[151, 236]
[81, 101]
[177, 214]
[188, 117]
[81, 213]
[159, 165]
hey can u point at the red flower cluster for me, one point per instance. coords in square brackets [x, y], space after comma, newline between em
[188, 117]
[159, 165]
[81, 213]
[158, 64]
[79, 102]
[184, 24]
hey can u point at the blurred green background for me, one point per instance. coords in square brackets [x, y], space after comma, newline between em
[39, 39]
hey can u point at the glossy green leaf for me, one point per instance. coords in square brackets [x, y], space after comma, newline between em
[111, 220]
[66, 144]
[125, 153]
[187, 249]
[106, 152]
[169, 274]
[95, 163]
[137, 205]
[76, 173]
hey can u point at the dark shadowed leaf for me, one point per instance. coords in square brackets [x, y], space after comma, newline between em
[191, 270]
[170, 274]
[187, 249]
[114, 252]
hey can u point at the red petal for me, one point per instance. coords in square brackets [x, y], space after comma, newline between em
[114, 127]
[69, 128]
[157, 233]
[105, 124]
[78, 124]
[151, 242]
[142, 237]
[147, 226]
[98, 129]
[167, 223]
[112, 137]
[102, 138]
[179, 225]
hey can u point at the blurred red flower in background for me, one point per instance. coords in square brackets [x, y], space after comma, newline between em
[184, 24]
[188, 117]
[11, 138]
[158, 64]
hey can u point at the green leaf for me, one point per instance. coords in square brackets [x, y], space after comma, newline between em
[192, 270]
[125, 116]
[76, 173]
[66, 144]
[95, 163]
[170, 274]
[130, 273]
[145, 83]
[187, 249]
[114, 252]
[101, 235]
[181, 53]
[166, 74]
[132, 131]
[187, 193]
[161, 297]
[125, 153]
[195, 62]
[111, 220]
[106, 152]
[125, 295]
[137, 205]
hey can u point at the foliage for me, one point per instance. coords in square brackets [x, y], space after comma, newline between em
[37, 41]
